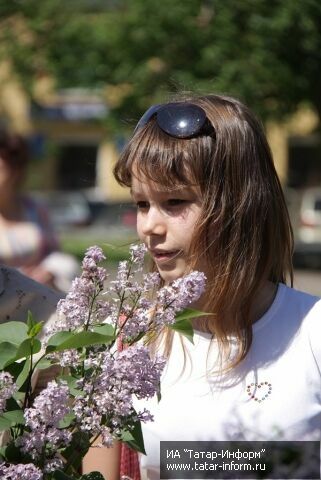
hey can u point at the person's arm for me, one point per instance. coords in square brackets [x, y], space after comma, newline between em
[103, 460]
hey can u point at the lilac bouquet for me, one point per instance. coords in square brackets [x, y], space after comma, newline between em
[98, 351]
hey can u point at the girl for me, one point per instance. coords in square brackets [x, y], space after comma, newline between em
[208, 197]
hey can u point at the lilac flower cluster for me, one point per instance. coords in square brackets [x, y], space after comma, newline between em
[44, 434]
[137, 255]
[76, 309]
[7, 389]
[169, 300]
[110, 395]
[123, 278]
[20, 471]
[68, 358]
[178, 295]
[151, 281]
[138, 322]
[127, 271]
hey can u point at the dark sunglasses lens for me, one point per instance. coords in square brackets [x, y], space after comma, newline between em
[181, 120]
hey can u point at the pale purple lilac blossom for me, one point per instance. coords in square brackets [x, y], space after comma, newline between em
[138, 323]
[20, 471]
[173, 298]
[137, 254]
[110, 394]
[122, 277]
[49, 408]
[68, 358]
[74, 310]
[151, 281]
[170, 300]
[7, 389]
[140, 318]
[128, 269]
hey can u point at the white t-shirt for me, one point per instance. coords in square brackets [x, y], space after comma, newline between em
[274, 394]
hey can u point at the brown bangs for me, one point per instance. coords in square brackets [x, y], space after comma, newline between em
[162, 159]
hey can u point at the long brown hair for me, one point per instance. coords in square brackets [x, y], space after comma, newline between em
[244, 232]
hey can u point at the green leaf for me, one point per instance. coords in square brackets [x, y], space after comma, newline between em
[5, 423]
[13, 332]
[190, 313]
[72, 384]
[45, 363]
[33, 327]
[57, 339]
[28, 345]
[183, 323]
[185, 328]
[24, 372]
[20, 396]
[15, 416]
[65, 340]
[35, 330]
[59, 475]
[67, 420]
[159, 393]
[7, 352]
[104, 329]
[77, 449]
[15, 369]
[134, 438]
[12, 453]
[92, 476]
[9, 419]
[30, 322]
[12, 404]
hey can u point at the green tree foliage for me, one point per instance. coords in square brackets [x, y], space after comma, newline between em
[268, 52]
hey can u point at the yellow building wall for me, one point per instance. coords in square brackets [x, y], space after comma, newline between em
[107, 156]
[302, 123]
[14, 104]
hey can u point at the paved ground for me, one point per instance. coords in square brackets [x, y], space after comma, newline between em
[308, 281]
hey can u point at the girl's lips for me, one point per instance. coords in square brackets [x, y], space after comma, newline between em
[164, 256]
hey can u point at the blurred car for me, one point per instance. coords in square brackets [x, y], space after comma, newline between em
[308, 230]
[109, 214]
[76, 209]
[66, 208]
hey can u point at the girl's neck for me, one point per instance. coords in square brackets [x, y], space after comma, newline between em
[263, 301]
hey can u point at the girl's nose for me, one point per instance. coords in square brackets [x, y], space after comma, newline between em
[153, 223]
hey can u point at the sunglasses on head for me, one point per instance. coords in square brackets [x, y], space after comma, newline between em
[179, 120]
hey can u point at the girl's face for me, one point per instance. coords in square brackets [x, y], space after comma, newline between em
[165, 223]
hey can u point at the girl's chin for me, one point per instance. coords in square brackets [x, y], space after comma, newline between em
[171, 275]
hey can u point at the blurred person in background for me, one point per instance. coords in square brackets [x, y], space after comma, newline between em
[27, 239]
